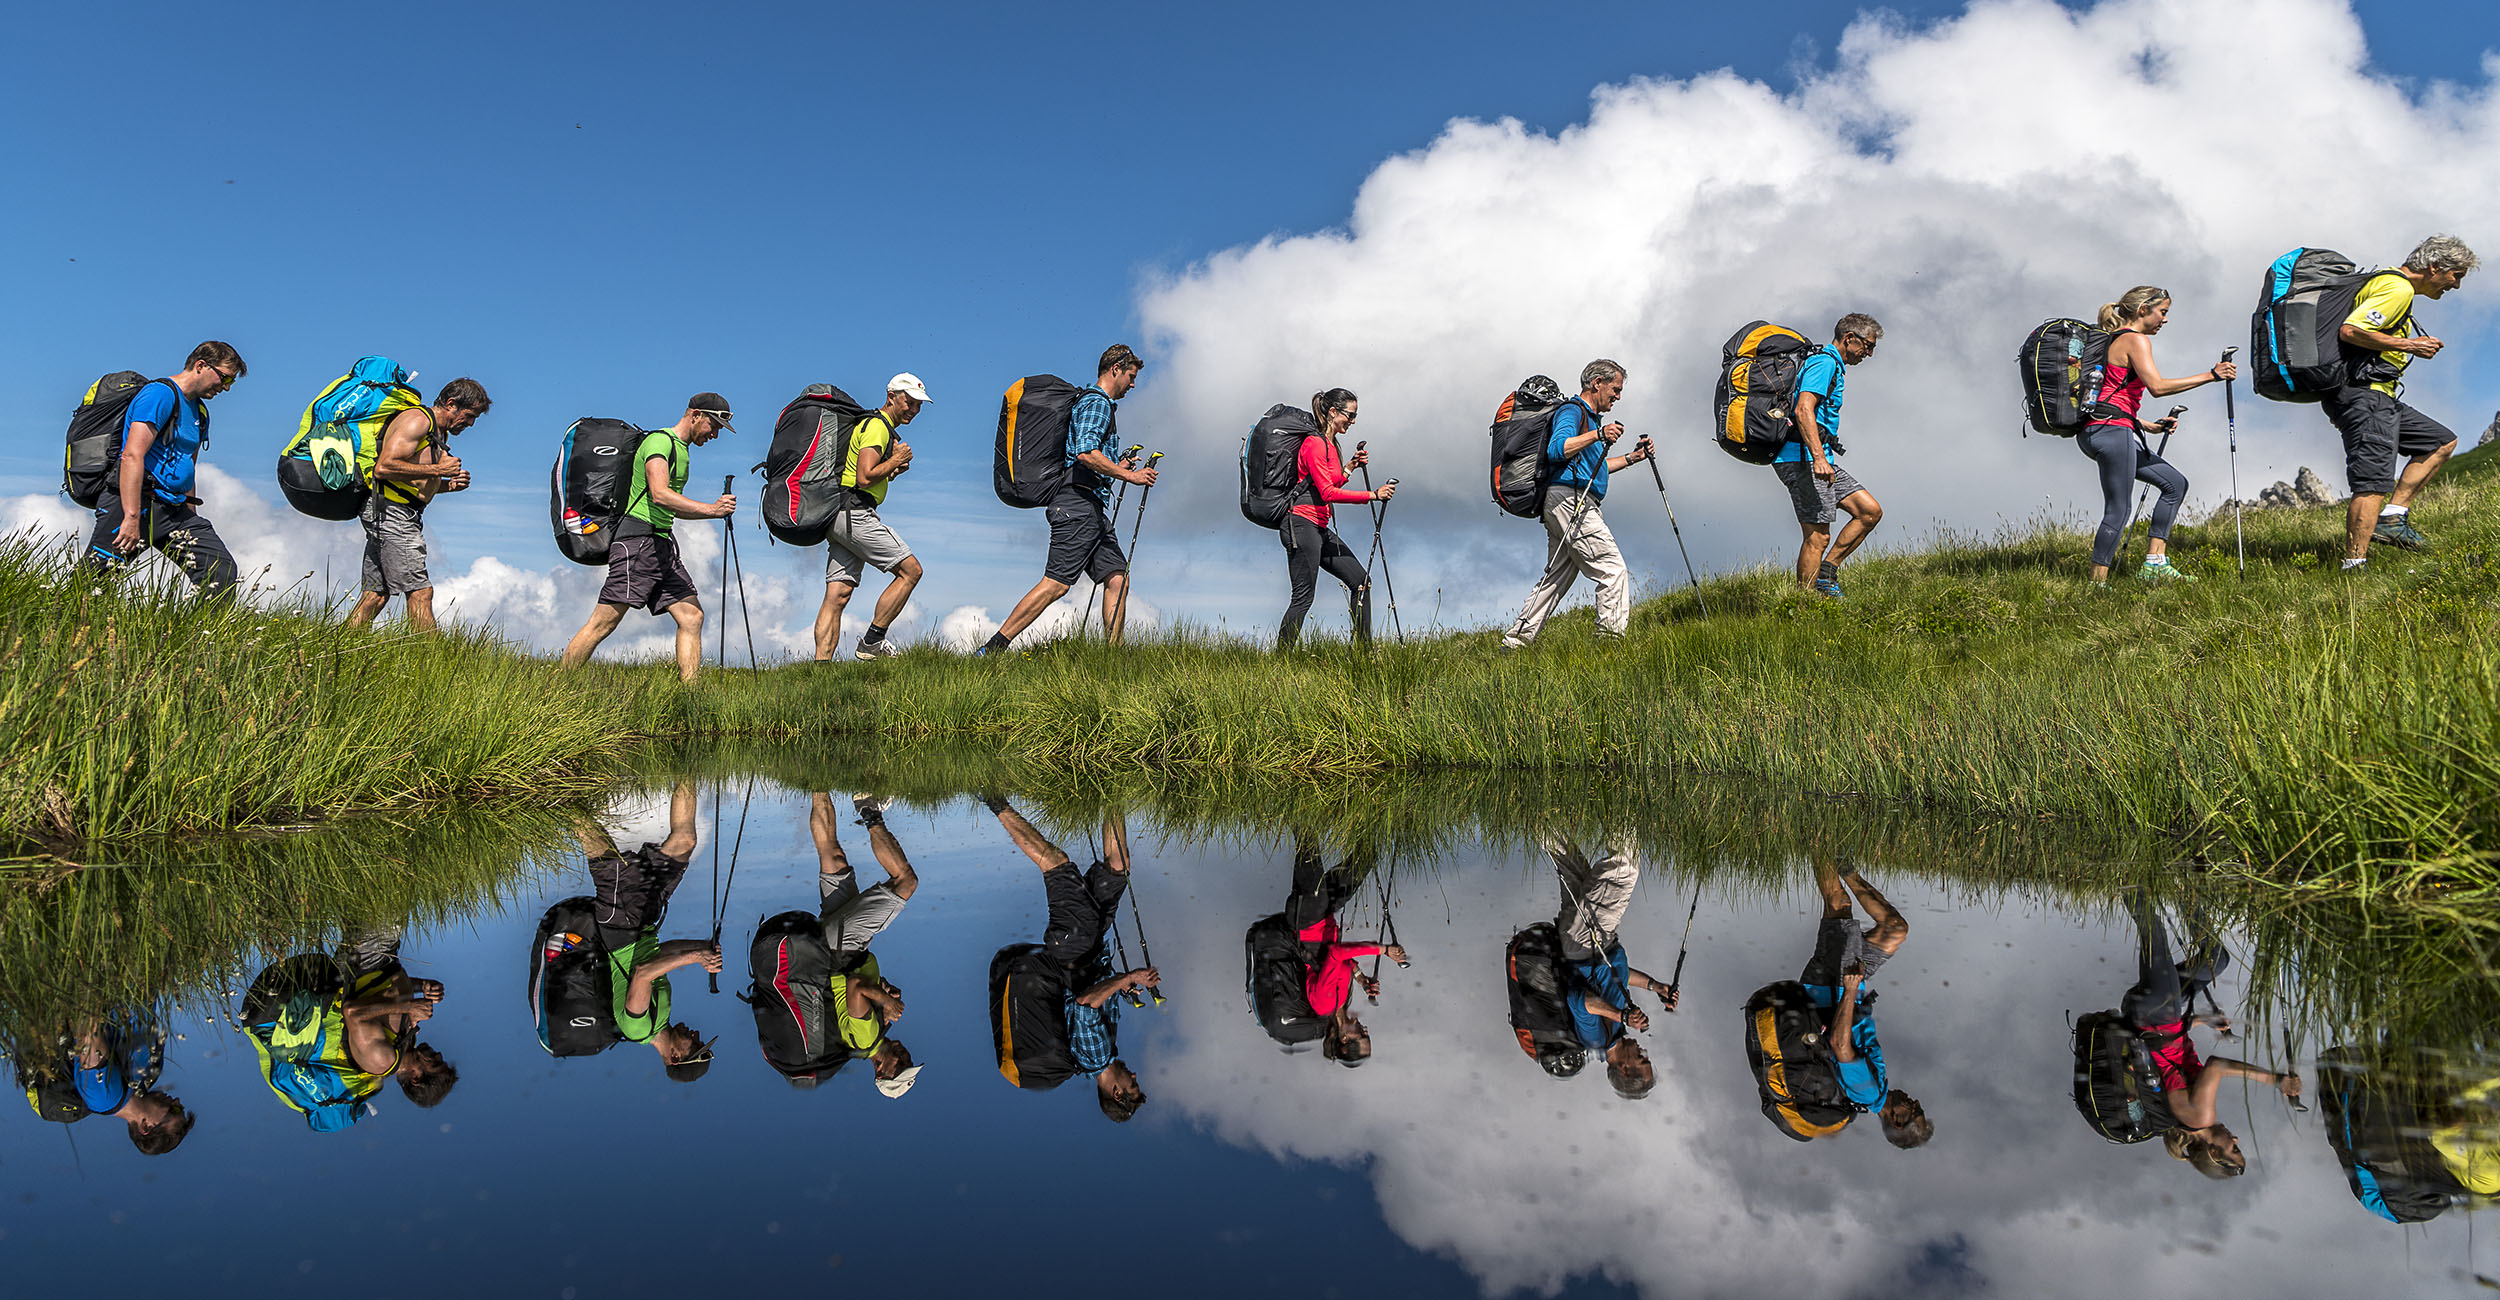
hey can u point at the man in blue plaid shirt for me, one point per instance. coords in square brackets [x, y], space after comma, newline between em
[1083, 908]
[1081, 544]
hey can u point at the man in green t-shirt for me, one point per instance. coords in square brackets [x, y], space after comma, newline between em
[633, 893]
[858, 538]
[644, 570]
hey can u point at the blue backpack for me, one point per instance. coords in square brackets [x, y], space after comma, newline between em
[327, 471]
[295, 1015]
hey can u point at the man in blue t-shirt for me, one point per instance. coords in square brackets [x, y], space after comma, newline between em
[1845, 957]
[1817, 488]
[1081, 544]
[1598, 977]
[1576, 538]
[152, 499]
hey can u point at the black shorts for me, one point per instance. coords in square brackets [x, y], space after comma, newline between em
[1082, 906]
[634, 890]
[1838, 942]
[2377, 430]
[645, 572]
[1081, 544]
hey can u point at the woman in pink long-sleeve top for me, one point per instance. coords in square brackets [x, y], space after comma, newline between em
[1310, 544]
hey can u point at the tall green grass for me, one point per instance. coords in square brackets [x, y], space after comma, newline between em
[136, 710]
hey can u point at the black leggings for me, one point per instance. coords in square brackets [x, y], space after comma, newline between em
[1318, 889]
[2125, 461]
[1308, 549]
[2164, 992]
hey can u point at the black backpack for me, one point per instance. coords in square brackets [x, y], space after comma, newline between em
[1793, 1067]
[1521, 426]
[2061, 366]
[2379, 1136]
[569, 988]
[1540, 1013]
[803, 467]
[588, 486]
[2117, 1088]
[1270, 468]
[95, 434]
[1276, 975]
[1029, 1019]
[1753, 411]
[2295, 337]
[1030, 462]
[790, 993]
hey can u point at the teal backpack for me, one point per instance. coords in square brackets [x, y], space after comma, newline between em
[296, 1017]
[327, 471]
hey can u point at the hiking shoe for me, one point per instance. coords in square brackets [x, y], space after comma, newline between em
[983, 653]
[2164, 572]
[2399, 531]
[870, 808]
[1511, 643]
[1829, 587]
[877, 649]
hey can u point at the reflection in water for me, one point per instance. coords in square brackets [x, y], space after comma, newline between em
[1817, 1058]
[1302, 973]
[330, 1027]
[108, 1065]
[820, 998]
[2414, 1134]
[1055, 1005]
[599, 973]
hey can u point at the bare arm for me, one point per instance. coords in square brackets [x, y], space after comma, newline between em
[403, 439]
[2420, 345]
[672, 955]
[655, 477]
[1641, 451]
[1101, 464]
[1812, 432]
[1844, 1017]
[2136, 353]
[881, 463]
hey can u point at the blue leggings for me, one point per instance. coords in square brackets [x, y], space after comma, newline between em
[2126, 461]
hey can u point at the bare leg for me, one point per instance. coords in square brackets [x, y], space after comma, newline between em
[889, 853]
[1044, 594]
[689, 616]
[368, 607]
[821, 822]
[1864, 514]
[421, 609]
[603, 620]
[2360, 519]
[829, 617]
[1835, 894]
[890, 601]
[1818, 538]
[681, 838]
[1044, 854]
[1114, 607]
[1889, 929]
[1115, 841]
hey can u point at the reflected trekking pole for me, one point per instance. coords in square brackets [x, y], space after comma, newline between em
[2231, 418]
[1116, 502]
[2148, 488]
[1678, 529]
[1380, 548]
[720, 899]
[1388, 936]
[729, 530]
[1119, 941]
[1139, 916]
[1675, 981]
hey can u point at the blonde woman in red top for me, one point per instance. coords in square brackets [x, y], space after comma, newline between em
[1310, 544]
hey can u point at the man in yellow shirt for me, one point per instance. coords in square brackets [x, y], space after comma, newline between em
[2379, 340]
[857, 538]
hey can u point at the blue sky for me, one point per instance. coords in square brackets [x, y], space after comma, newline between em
[598, 210]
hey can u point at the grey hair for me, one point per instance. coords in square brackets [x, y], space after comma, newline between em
[1598, 372]
[2442, 253]
[1858, 325]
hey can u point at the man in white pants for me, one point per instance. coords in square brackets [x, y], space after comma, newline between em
[1577, 540]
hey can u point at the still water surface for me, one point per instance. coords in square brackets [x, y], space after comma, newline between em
[1448, 1164]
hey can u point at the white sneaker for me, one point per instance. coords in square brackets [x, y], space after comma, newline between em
[1511, 643]
[881, 648]
[864, 803]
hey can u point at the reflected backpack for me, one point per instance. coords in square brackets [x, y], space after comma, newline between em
[587, 486]
[790, 993]
[2380, 1137]
[1271, 467]
[136, 1038]
[2294, 338]
[2061, 366]
[570, 991]
[1753, 410]
[95, 434]
[1522, 424]
[1276, 979]
[1793, 1067]
[327, 471]
[295, 1013]
[1030, 462]
[1029, 1018]
[1540, 1015]
[803, 468]
[2117, 1088]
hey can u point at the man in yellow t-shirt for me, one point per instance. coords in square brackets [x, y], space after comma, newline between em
[857, 537]
[2379, 340]
[864, 1005]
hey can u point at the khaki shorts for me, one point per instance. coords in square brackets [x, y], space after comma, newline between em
[858, 539]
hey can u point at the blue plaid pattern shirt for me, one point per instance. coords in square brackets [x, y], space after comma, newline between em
[1093, 1032]
[1089, 429]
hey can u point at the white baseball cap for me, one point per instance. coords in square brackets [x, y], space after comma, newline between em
[909, 385]
[902, 1082]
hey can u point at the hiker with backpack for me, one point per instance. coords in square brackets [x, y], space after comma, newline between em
[857, 538]
[2378, 339]
[147, 496]
[1819, 490]
[1835, 975]
[2158, 1011]
[1321, 470]
[633, 890]
[1577, 540]
[2114, 429]
[329, 1028]
[403, 485]
[644, 569]
[1055, 1006]
[1081, 541]
[108, 1066]
[1332, 967]
[1597, 977]
[864, 1003]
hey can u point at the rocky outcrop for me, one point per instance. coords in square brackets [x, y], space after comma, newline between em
[2306, 490]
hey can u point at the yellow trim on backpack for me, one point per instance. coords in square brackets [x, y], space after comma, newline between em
[1740, 376]
[1007, 423]
[1775, 1073]
[1006, 1021]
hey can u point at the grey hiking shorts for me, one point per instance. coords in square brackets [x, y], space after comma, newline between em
[395, 547]
[858, 539]
[853, 917]
[1816, 501]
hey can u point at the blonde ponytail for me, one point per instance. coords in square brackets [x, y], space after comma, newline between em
[2131, 305]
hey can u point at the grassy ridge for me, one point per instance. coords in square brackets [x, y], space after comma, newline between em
[136, 711]
[2340, 731]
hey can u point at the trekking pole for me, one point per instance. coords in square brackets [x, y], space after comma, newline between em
[1138, 915]
[1139, 525]
[1675, 982]
[1380, 548]
[725, 481]
[1116, 503]
[2147, 489]
[2231, 418]
[1689, 575]
[729, 530]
